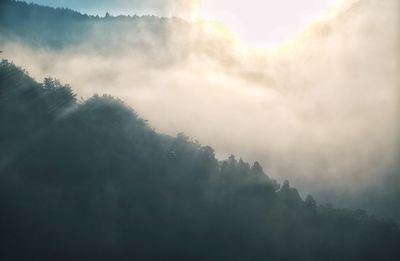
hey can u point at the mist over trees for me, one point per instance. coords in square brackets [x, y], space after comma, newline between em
[90, 180]
[323, 115]
[58, 28]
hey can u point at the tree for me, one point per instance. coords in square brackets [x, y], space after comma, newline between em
[257, 169]
[310, 203]
[285, 186]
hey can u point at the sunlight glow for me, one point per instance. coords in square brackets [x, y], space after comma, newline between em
[267, 22]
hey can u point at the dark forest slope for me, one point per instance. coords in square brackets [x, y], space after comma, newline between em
[89, 180]
[41, 26]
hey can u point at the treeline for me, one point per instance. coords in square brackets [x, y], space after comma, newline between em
[90, 180]
[41, 26]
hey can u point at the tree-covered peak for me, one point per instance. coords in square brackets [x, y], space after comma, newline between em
[89, 179]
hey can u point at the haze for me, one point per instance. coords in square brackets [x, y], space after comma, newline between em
[321, 110]
[266, 23]
[258, 23]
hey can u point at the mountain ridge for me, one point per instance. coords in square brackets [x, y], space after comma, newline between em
[90, 180]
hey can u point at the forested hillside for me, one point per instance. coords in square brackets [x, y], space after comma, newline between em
[90, 180]
[49, 28]
[57, 28]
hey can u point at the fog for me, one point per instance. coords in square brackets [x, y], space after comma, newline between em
[321, 111]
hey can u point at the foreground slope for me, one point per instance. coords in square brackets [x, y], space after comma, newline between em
[89, 180]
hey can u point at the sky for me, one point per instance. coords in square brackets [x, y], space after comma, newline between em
[257, 22]
[266, 22]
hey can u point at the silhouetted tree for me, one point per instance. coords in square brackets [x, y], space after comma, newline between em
[310, 203]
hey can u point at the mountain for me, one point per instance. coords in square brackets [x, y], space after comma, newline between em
[57, 28]
[151, 36]
[90, 180]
